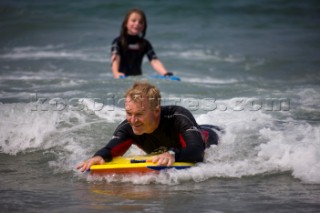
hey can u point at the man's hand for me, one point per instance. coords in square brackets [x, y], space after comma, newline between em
[88, 163]
[164, 159]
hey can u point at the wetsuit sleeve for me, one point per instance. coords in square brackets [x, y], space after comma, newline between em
[118, 145]
[151, 54]
[115, 48]
[190, 138]
[194, 147]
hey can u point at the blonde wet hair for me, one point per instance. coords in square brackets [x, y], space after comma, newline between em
[143, 89]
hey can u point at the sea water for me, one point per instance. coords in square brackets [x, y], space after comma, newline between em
[250, 67]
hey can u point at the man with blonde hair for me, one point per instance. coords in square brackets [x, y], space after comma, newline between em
[169, 132]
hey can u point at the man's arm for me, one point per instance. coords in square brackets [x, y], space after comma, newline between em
[117, 146]
[194, 147]
[190, 137]
[193, 151]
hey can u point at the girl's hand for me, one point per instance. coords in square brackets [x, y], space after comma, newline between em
[121, 75]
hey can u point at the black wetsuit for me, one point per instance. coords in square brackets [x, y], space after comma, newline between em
[177, 131]
[131, 58]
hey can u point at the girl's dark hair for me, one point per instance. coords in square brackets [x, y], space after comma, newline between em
[124, 30]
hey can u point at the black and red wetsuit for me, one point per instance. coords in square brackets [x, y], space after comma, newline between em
[131, 57]
[177, 131]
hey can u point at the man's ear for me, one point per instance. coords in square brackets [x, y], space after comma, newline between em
[157, 109]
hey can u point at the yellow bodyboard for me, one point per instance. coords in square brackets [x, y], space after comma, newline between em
[136, 164]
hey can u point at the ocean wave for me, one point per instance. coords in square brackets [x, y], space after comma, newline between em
[254, 142]
[28, 127]
[210, 80]
[204, 55]
[54, 52]
[108, 112]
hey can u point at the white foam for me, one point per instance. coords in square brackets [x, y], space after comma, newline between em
[256, 143]
[210, 80]
[24, 127]
[53, 52]
[205, 55]
[295, 148]
[110, 113]
[309, 99]
[21, 129]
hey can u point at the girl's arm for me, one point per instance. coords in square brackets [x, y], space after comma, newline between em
[158, 66]
[115, 60]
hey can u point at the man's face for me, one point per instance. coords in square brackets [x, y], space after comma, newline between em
[141, 117]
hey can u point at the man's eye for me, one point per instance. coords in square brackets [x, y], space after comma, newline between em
[139, 114]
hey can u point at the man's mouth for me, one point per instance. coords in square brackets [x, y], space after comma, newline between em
[136, 125]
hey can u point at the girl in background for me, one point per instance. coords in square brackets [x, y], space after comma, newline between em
[130, 47]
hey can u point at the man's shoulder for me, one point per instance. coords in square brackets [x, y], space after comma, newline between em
[174, 109]
[178, 115]
[123, 126]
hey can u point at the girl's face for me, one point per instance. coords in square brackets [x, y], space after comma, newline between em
[135, 24]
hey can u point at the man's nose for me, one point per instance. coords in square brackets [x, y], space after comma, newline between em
[133, 119]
